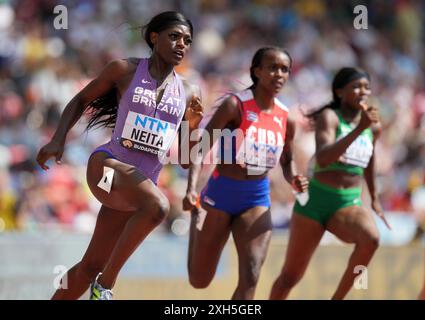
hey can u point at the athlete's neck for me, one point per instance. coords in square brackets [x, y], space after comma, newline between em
[158, 69]
[264, 100]
[350, 114]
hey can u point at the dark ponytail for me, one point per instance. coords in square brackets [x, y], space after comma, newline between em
[103, 110]
[343, 77]
[258, 58]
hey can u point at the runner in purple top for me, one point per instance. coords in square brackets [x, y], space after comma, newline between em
[143, 125]
[122, 174]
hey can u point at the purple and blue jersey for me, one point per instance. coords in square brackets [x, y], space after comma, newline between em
[144, 130]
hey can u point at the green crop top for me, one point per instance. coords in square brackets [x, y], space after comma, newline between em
[357, 155]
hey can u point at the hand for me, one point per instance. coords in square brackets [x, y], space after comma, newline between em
[52, 149]
[370, 115]
[190, 201]
[299, 183]
[376, 206]
[194, 113]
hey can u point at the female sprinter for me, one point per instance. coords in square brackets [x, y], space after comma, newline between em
[145, 100]
[346, 131]
[237, 196]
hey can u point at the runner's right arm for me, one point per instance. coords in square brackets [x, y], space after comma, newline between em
[73, 111]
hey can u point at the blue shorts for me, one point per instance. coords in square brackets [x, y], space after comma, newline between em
[235, 196]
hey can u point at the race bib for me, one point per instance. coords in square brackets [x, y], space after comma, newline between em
[144, 133]
[359, 152]
[252, 153]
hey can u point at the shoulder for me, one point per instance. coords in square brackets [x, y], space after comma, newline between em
[328, 113]
[327, 118]
[123, 64]
[235, 100]
[228, 108]
[121, 67]
[231, 101]
[244, 96]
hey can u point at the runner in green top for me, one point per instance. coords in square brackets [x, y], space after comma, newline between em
[346, 131]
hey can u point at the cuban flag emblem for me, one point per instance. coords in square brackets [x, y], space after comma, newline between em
[252, 116]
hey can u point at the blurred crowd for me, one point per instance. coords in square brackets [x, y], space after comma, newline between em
[42, 68]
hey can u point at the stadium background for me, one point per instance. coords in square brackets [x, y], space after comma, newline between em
[46, 219]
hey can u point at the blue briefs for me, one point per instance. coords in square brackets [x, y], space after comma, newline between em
[100, 149]
[235, 196]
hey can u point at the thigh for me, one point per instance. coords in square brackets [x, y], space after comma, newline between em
[351, 224]
[109, 226]
[251, 232]
[209, 234]
[130, 189]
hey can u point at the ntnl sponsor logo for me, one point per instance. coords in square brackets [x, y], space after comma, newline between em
[152, 132]
[263, 154]
[152, 124]
[261, 147]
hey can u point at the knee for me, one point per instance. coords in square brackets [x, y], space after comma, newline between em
[200, 272]
[160, 209]
[370, 241]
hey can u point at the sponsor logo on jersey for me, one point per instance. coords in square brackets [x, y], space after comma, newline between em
[148, 134]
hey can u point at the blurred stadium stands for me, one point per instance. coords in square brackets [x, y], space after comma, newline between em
[41, 68]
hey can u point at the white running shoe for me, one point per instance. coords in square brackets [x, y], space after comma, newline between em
[97, 292]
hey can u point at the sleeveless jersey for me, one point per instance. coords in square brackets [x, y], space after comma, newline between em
[262, 134]
[357, 155]
[145, 131]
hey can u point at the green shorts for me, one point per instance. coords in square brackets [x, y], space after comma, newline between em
[324, 201]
